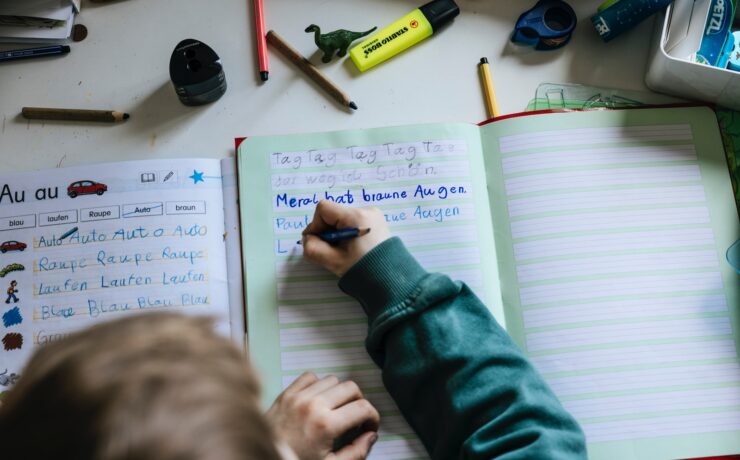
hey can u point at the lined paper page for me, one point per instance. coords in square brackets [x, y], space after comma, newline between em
[617, 276]
[430, 194]
[88, 244]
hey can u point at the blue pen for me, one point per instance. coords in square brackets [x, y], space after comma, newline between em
[69, 232]
[53, 50]
[342, 234]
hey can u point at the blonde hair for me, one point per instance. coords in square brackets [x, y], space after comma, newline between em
[157, 386]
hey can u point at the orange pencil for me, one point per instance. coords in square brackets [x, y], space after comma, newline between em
[259, 17]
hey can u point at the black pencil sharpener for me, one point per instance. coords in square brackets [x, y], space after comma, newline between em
[197, 73]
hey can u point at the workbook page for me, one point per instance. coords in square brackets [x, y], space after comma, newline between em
[83, 245]
[428, 181]
[611, 229]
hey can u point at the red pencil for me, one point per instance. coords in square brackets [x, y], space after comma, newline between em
[259, 17]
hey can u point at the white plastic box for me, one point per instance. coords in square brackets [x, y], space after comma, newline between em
[677, 30]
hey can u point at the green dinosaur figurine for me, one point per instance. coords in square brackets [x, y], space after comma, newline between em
[337, 41]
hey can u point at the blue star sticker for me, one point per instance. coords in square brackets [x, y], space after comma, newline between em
[197, 177]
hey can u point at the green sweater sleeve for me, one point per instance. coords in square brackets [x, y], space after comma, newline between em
[458, 378]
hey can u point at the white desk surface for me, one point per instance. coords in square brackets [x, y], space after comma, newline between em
[124, 65]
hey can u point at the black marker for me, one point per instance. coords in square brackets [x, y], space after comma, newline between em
[53, 50]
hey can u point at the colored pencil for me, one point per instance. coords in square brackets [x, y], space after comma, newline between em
[309, 69]
[259, 18]
[69, 232]
[41, 113]
[488, 89]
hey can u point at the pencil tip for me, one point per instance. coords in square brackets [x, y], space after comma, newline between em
[126, 116]
[484, 60]
[264, 75]
[353, 106]
[298, 242]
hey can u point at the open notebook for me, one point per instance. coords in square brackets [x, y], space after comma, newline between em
[597, 239]
[87, 244]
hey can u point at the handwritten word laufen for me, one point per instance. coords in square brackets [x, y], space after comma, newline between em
[108, 282]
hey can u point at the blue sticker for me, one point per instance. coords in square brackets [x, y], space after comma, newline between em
[717, 41]
[734, 62]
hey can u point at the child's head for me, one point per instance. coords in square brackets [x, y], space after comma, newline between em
[158, 386]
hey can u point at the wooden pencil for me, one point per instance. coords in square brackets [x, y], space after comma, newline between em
[42, 113]
[309, 69]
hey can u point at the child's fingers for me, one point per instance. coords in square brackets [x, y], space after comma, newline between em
[357, 450]
[341, 394]
[327, 216]
[319, 386]
[303, 381]
[319, 251]
[356, 413]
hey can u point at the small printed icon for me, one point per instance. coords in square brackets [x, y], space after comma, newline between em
[414, 24]
[11, 268]
[86, 187]
[12, 246]
[12, 291]
[168, 176]
[12, 341]
[12, 317]
[8, 380]
[69, 232]
[148, 178]
[197, 176]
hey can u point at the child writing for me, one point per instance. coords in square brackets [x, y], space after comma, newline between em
[165, 386]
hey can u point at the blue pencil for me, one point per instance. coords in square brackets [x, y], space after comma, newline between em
[52, 50]
[68, 233]
[336, 236]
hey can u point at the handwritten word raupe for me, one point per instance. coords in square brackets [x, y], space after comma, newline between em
[419, 192]
[107, 258]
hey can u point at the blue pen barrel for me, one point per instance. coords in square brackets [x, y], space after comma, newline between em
[338, 235]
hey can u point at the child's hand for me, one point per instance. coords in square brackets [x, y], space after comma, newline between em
[311, 413]
[341, 257]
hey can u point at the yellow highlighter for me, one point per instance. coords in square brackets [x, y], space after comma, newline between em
[404, 33]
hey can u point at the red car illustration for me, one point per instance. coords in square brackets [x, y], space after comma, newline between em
[12, 246]
[86, 187]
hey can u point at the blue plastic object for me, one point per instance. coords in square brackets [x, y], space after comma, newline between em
[733, 256]
[546, 26]
[615, 17]
[717, 41]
